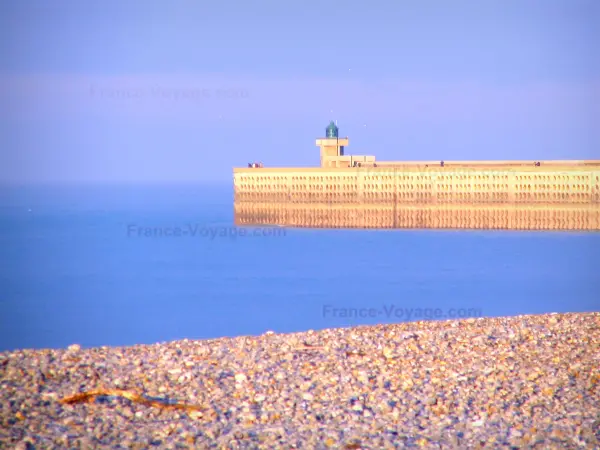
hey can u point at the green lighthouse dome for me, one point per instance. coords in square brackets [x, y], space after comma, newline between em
[332, 130]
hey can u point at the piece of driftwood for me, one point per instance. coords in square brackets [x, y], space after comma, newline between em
[90, 396]
[355, 353]
[309, 348]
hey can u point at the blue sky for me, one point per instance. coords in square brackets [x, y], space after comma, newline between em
[134, 91]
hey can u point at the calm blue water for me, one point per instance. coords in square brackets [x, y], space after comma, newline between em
[70, 273]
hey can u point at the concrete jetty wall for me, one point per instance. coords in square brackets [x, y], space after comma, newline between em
[545, 195]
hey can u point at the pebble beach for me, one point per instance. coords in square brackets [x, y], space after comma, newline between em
[515, 382]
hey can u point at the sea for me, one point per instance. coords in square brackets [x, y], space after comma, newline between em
[120, 265]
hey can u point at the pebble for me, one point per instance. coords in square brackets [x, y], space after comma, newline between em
[493, 382]
[240, 377]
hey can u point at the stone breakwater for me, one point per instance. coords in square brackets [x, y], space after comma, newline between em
[528, 381]
[491, 195]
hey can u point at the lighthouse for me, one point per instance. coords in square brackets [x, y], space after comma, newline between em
[332, 146]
